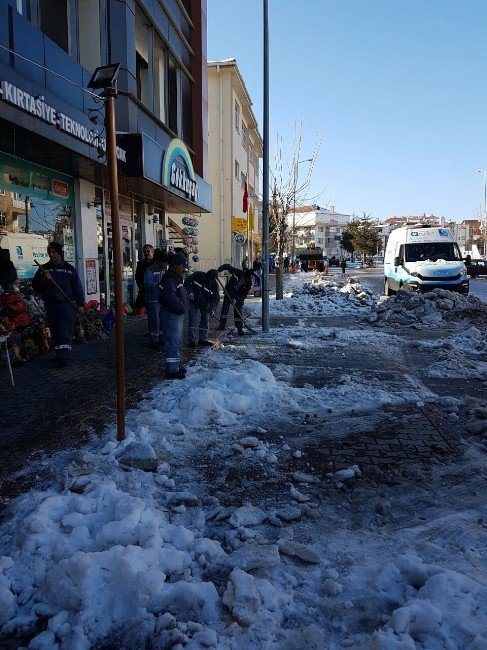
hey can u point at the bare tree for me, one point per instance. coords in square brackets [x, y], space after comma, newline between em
[285, 193]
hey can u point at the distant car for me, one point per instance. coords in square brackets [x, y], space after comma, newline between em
[354, 265]
[476, 267]
[378, 261]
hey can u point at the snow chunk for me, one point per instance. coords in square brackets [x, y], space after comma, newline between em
[247, 516]
[245, 596]
[140, 455]
[249, 441]
[302, 551]
[346, 474]
[255, 556]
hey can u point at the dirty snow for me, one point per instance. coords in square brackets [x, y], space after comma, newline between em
[150, 542]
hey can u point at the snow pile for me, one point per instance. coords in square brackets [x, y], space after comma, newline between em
[459, 356]
[323, 295]
[428, 309]
[349, 287]
[440, 609]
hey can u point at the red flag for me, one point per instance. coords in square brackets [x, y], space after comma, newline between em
[245, 202]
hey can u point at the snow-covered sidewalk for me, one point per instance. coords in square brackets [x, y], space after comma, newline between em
[213, 525]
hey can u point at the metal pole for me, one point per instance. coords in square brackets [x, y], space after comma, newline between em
[293, 244]
[117, 257]
[265, 178]
[27, 222]
[485, 194]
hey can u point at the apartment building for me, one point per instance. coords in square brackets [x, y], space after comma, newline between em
[231, 233]
[52, 141]
[317, 227]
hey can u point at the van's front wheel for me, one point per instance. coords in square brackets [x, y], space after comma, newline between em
[387, 289]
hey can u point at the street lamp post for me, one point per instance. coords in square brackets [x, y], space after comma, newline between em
[484, 172]
[105, 78]
[265, 174]
[483, 223]
[293, 238]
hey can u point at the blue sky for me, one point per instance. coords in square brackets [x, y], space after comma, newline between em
[397, 89]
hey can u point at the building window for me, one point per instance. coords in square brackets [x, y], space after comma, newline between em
[237, 170]
[159, 80]
[251, 191]
[53, 21]
[187, 109]
[237, 116]
[141, 59]
[141, 75]
[245, 137]
[173, 85]
[3, 220]
[251, 154]
[243, 180]
[89, 34]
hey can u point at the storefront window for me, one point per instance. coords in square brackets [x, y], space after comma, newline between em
[129, 253]
[37, 206]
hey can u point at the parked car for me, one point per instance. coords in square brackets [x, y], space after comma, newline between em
[354, 265]
[476, 267]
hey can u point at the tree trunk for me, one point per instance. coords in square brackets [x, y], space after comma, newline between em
[279, 283]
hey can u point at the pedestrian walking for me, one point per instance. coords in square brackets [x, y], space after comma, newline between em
[204, 297]
[286, 264]
[245, 263]
[237, 288]
[173, 299]
[140, 269]
[152, 280]
[343, 264]
[60, 312]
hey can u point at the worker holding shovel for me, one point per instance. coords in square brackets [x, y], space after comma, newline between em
[236, 290]
[59, 285]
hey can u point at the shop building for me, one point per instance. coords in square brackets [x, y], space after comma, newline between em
[230, 234]
[53, 177]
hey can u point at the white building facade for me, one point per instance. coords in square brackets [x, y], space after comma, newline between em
[317, 227]
[228, 234]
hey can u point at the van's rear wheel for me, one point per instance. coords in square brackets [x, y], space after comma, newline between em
[387, 289]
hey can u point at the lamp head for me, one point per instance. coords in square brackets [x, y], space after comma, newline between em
[104, 77]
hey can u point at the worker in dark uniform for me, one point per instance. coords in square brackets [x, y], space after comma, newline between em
[173, 299]
[60, 312]
[140, 269]
[204, 297]
[152, 279]
[237, 288]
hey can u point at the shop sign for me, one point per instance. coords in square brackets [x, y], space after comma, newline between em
[178, 170]
[239, 224]
[239, 238]
[91, 279]
[35, 181]
[38, 108]
[60, 188]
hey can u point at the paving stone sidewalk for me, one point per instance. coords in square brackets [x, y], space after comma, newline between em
[50, 409]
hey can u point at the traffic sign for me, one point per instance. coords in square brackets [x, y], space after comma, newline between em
[239, 238]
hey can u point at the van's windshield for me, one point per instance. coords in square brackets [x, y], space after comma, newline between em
[433, 251]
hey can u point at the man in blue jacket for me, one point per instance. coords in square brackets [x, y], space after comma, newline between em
[204, 297]
[173, 299]
[237, 288]
[152, 279]
[60, 312]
